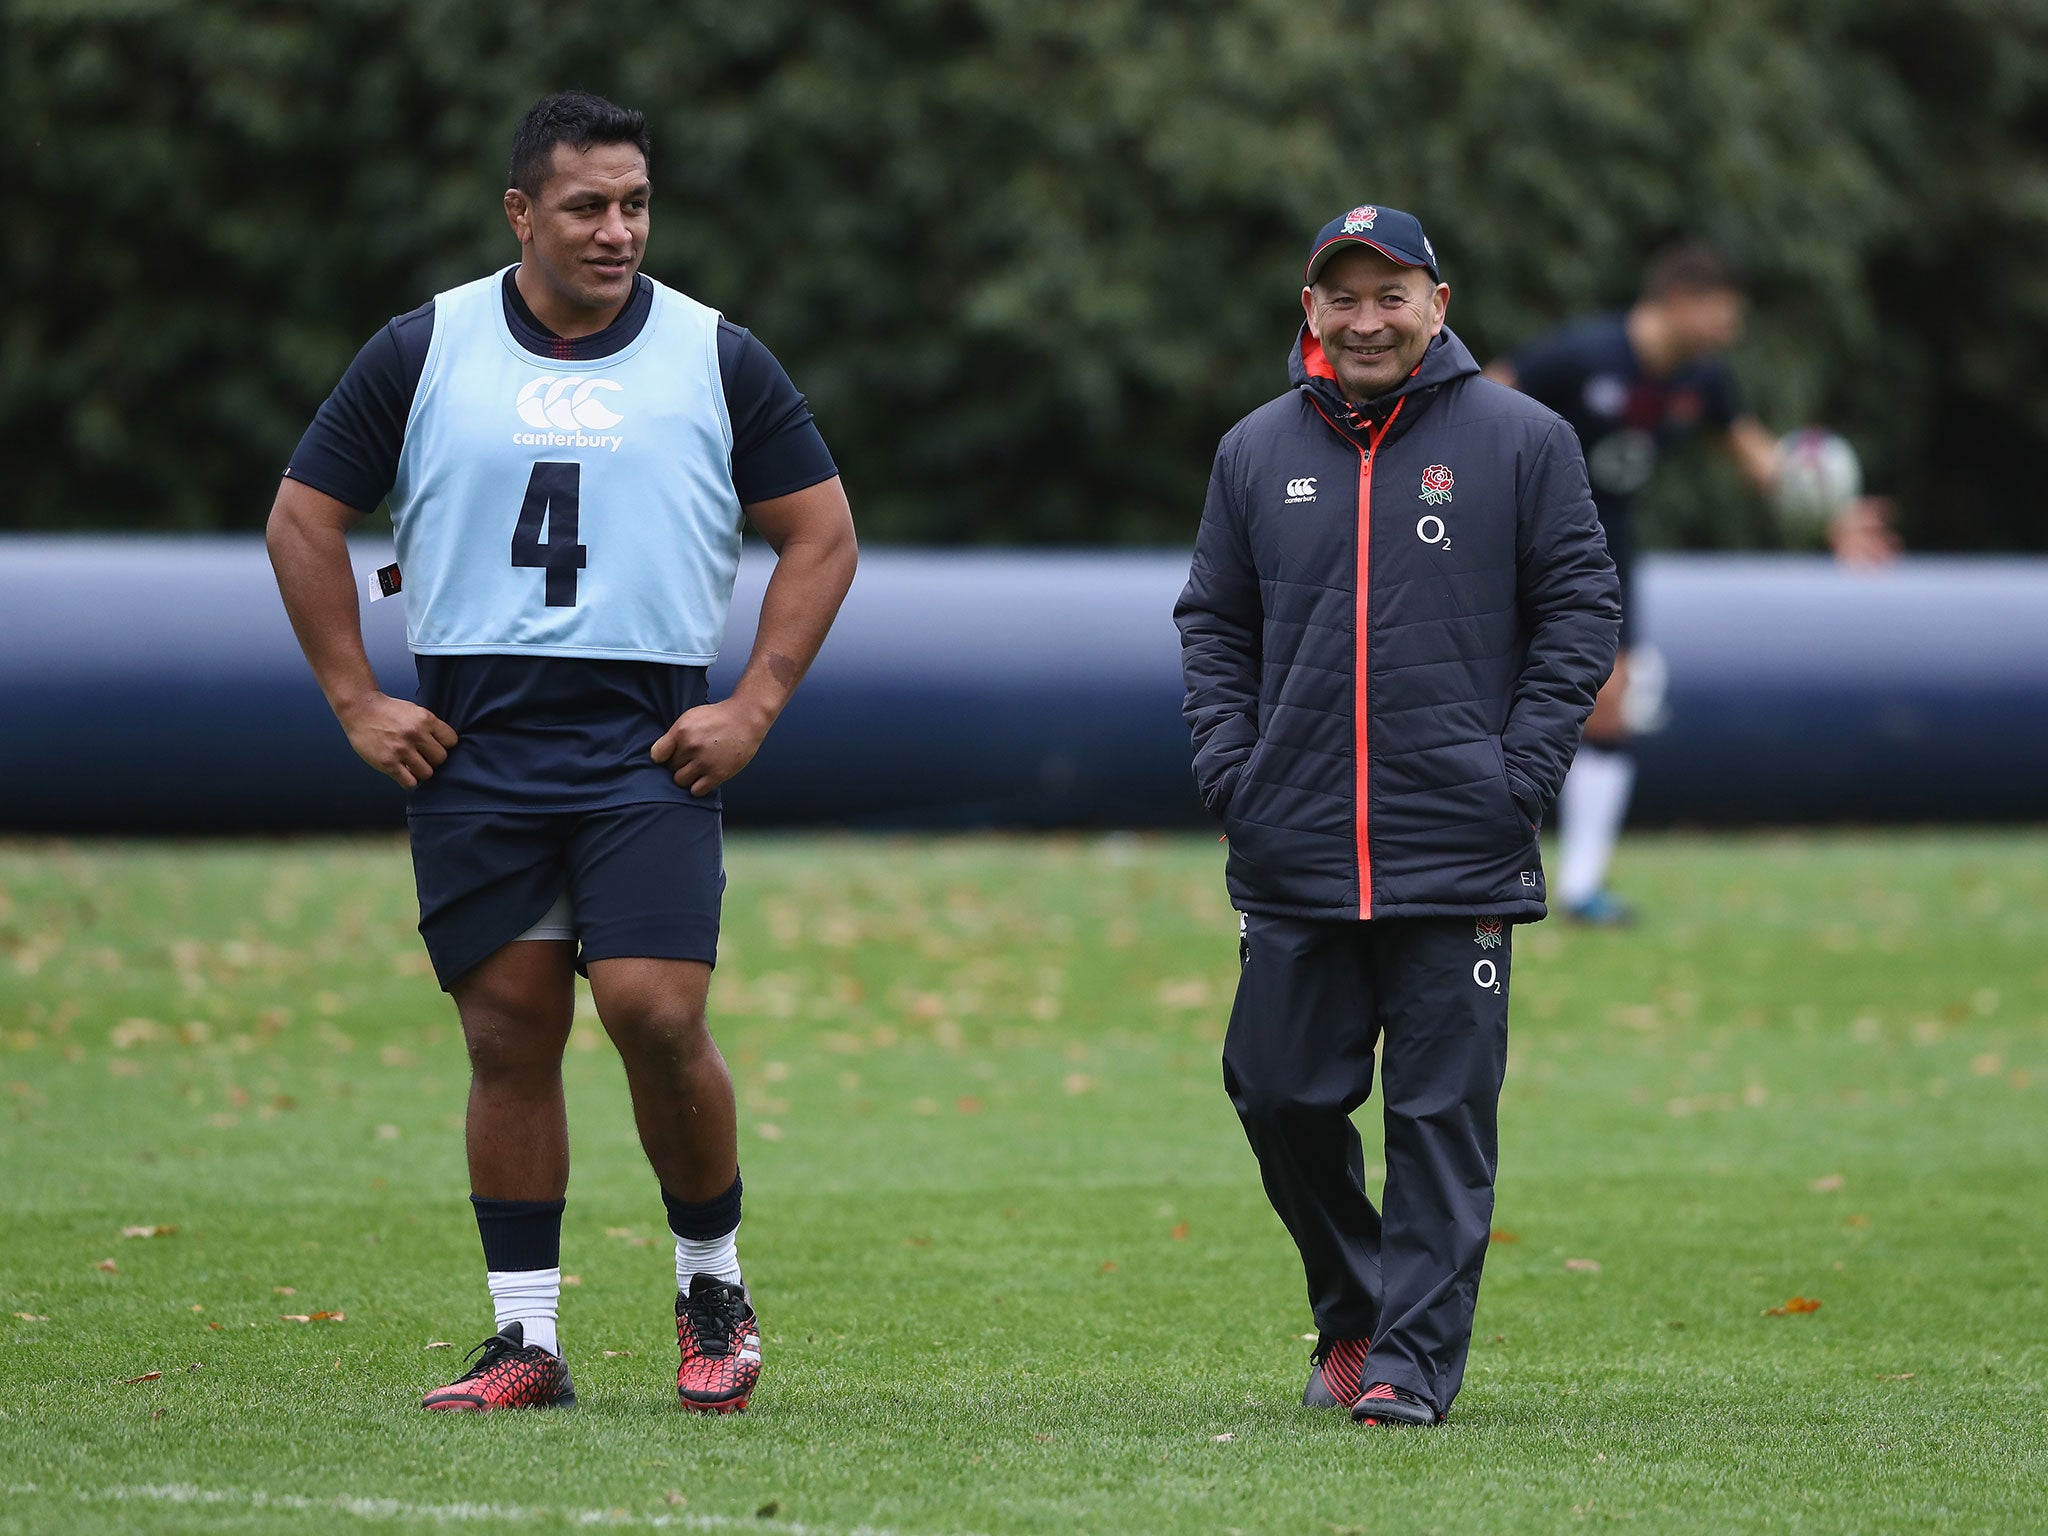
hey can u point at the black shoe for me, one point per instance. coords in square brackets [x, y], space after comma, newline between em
[1382, 1403]
[1336, 1371]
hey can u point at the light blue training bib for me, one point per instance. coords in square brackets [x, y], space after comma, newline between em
[552, 508]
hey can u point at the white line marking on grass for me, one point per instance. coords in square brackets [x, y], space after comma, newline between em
[444, 1514]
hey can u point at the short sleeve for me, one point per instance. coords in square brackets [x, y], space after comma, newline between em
[776, 446]
[351, 450]
[1720, 395]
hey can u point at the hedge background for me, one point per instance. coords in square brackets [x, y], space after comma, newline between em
[1028, 257]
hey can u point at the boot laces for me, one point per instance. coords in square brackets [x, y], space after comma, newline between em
[715, 1313]
[491, 1351]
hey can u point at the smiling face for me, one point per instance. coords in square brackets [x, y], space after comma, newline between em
[1374, 318]
[583, 235]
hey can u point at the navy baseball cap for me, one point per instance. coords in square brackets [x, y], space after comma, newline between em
[1395, 235]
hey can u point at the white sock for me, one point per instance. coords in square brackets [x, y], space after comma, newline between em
[1590, 811]
[719, 1256]
[530, 1298]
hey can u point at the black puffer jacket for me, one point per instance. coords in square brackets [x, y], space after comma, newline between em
[1380, 721]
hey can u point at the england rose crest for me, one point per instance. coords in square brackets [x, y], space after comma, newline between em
[1436, 485]
[1486, 932]
[1358, 220]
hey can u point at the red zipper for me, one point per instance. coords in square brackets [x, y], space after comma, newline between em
[1361, 765]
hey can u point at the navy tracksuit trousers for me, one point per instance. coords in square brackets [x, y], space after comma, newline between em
[1312, 1001]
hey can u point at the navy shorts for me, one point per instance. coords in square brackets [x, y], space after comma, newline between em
[644, 880]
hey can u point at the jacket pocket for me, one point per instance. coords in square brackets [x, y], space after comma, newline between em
[1241, 785]
[1524, 818]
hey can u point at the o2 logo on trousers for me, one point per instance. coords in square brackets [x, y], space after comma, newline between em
[1431, 530]
[1486, 976]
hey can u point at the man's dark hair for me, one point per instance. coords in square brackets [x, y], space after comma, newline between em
[1689, 266]
[575, 118]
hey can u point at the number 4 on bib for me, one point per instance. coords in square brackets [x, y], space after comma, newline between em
[554, 497]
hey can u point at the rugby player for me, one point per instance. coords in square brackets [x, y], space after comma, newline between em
[1634, 386]
[568, 448]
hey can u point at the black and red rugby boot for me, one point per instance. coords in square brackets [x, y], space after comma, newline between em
[1382, 1403]
[721, 1343]
[511, 1373]
[1336, 1373]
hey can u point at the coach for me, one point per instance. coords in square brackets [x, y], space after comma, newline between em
[1399, 613]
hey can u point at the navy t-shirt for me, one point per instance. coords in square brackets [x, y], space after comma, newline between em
[1589, 374]
[549, 733]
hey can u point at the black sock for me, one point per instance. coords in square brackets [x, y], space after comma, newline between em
[704, 1219]
[519, 1234]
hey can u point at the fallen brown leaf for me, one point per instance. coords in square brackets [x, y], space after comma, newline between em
[1041, 1439]
[572, 1279]
[1108, 1266]
[1795, 1306]
[1899, 1376]
[440, 1344]
[1222, 1439]
[32, 1317]
[676, 1498]
[109, 1266]
[284, 1290]
[156, 1231]
[1498, 1236]
[327, 1317]
[969, 1105]
[618, 1354]
[1179, 1233]
[213, 1327]
[151, 1376]
[1583, 1266]
[1828, 1184]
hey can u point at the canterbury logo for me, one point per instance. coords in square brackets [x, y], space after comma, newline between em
[567, 403]
[1302, 489]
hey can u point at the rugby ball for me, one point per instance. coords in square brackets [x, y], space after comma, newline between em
[1818, 476]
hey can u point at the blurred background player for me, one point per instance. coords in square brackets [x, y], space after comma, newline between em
[1635, 385]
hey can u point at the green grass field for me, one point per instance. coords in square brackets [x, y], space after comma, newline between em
[1015, 1270]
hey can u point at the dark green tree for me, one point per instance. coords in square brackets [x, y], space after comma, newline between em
[1028, 258]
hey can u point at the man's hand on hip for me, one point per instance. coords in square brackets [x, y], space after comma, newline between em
[398, 738]
[711, 743]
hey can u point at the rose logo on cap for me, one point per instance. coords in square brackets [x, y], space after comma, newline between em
[1359, 219]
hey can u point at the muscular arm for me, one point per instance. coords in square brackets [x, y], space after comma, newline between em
[811, 532]
[307, 539]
